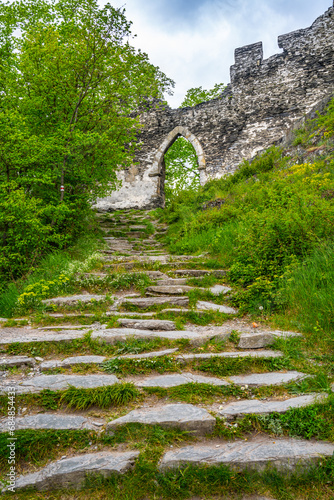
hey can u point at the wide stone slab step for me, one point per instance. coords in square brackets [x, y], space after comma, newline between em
[233, 354]
[174, 380]
[254, 380]
[200, 272]
[240, 408]
[9, 361]
[171, 290]
[182, 416]
[78, 360]
[209, 306]
[65, 327]
[152, 354]
[171, 281]
[72, 361]
[271, 378]
[127, 313]
[56, 421]
[74, 299]
[69, 315]
[72, 472]
[258, 339]
[110, 336]
[283, 453]
[60, 382]
[147, 324]
[25, 335]
[145, 302]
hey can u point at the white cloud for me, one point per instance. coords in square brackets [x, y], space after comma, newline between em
[198, 49]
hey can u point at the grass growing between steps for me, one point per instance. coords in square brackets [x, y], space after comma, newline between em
[114, 395]
[206, 482]
[214, 366]
[87, 345]
[37, 447]
[202, 318]
[112, 283]
[194, 393]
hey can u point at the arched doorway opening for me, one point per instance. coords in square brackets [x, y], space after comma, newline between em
[195, 169]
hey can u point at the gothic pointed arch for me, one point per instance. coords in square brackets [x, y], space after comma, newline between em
[167, 143]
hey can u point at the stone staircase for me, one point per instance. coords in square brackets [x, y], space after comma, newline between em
[186, 354]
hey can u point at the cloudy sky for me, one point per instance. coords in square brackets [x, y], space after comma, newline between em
[193, 41]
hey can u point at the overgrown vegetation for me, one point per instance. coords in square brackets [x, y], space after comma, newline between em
[272, 228]
[71, 86]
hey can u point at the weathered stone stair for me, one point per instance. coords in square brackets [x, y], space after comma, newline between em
[136, 316]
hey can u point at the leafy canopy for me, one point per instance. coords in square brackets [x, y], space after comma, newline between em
[70, 89]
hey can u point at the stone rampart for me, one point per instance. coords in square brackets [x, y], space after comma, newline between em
[264, 99]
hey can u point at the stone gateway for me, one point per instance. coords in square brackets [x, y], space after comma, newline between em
[264, 99]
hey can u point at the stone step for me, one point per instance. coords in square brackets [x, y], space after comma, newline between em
[109, 336]
[145, 302]
[10, 361]
[173, 380]
[179, 289]
[25, 335]
[137, 228]
[113, 335]
[59, 382]
[254, 406]
[56, 421]
[70, 315]
[119, 259]
[72, 472]
[127, 266]
[257, 453]
[113, 249]
[233, 354]
[147, 324]
[271, 378]
[209, 306]
[74, 299]
[258, 338]
[171, 290]
[114, 239]
[72, 361]
[150, 274]
[152, 354]
[64, 327]
[253, 380]
[183, 311]
[171, 281]
[186, 417]
[135, 234]
[156, 274]
[126, 313]
[91, 360]
[200, 272]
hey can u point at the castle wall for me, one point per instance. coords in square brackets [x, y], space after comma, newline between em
[263, 101]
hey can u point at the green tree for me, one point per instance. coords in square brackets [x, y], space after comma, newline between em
[181, 159]
[197, 95]
[70, 89]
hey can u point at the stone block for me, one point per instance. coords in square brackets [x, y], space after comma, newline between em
[182, 416]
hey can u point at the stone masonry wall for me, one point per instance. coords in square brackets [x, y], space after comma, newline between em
[264, 99]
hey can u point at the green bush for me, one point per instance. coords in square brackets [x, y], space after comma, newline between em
[271, 221]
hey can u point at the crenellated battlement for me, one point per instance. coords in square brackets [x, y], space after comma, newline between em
[246, 58]
[249, 58]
